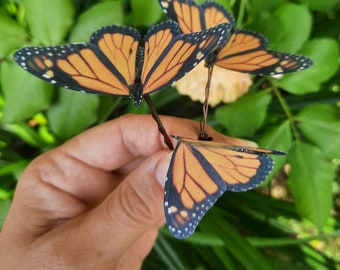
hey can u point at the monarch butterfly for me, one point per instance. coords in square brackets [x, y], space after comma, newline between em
[245, 51]
[201, 171]
[117, 62]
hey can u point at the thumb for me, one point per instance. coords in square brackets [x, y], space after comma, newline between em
[133, 208]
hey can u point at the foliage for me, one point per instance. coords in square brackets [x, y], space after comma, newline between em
[298, 113]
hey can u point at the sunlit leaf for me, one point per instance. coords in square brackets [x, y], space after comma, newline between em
[49, 21]
[145, 12]
[297, 24]
[101, 14]
[243, 117]
[74, 112]
[321, 125]
[278, 138]
[12, 34]
[24, 94]
[325, 54]
[259, 7]
[291, 29]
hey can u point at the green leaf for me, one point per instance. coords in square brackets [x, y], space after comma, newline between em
[297, 24]
[325, 53]
[236, 244]
[15, 168]
[278, 138]
[259, 7]
[12, 35]
[291, 29]
[264, 26]
[321, 5]
[226, 4]
[24, 94]
[320, 124]
[4, 207]
[99, 15]
[243, 117]
[49, 21]
[74, 112]
[145, 12]
[26, 133]
[310, 182]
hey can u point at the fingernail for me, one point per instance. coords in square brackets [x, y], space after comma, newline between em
[162, 169]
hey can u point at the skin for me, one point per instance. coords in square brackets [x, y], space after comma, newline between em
[95, 202]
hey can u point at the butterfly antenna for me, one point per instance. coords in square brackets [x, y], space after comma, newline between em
[203, 133]
[159, 122]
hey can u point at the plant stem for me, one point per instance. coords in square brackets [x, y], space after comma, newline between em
[286, 109]
[241, 13]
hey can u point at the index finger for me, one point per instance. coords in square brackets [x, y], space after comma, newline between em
[117, 142]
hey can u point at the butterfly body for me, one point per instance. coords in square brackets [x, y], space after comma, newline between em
[118, 62]
[201, 171]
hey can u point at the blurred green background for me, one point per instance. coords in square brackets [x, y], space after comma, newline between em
[291, 222]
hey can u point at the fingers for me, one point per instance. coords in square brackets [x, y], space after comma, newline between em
[54, 198]
[132, 211]
[78, 175]
[73, 178]
[118, 142]
[135, 206]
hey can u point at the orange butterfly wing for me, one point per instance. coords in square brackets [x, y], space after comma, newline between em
[245, 51]
[89, 67]
[201, 171]
[116, 62]
[119, 45]
[214, 14]
[188, 14]
[192, 17]
[169, 55]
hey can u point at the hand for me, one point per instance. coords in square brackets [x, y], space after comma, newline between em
[95, 202]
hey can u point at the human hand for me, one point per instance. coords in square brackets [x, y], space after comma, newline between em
[95, 202]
